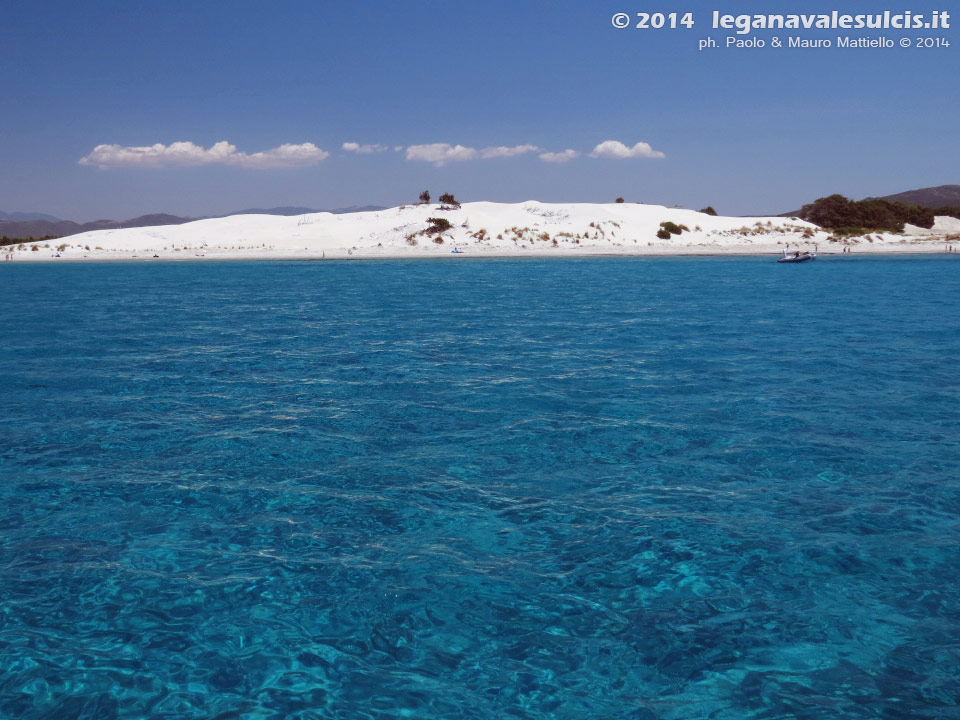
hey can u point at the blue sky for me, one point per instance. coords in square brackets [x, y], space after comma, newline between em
[743, 130]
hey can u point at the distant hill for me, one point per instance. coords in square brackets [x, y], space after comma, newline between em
[273, 211]
[39, 225]
[26, 217]
[63, 228]
[356, 209]
[304, 211]
[154, 219]
[39, 228]
[931, 197]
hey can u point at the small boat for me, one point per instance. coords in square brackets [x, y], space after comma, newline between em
[797, 257]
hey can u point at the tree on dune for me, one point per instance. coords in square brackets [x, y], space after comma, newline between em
[449, 201]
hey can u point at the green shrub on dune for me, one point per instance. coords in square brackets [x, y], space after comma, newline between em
[836, 211]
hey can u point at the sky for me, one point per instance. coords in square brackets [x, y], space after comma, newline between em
[117, 109]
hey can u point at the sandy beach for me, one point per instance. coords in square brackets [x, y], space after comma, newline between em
[485, 229]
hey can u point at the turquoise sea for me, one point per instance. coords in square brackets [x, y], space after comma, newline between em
[635, 489]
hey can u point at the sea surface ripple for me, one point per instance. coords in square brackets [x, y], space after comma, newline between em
[611, 488]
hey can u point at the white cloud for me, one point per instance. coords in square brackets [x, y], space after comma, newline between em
[441, 153]
[184, 154]
[559, 157]
[363, 149]
[398, 148]
[502, 151]
[285, 156]
[616, 149]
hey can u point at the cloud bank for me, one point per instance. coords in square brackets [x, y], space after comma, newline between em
[616, 149]
[501, 151]
[559, 157]
[187, 154]
[363, 149]
[441, 153]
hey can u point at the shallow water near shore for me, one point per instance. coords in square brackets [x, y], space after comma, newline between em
[623, 488]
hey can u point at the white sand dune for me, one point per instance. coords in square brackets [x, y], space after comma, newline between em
[477, 229]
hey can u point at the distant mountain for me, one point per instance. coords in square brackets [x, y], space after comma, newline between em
[26, 217]
[931, 197]
[155, 219]
[38, 228]
[39, 225]
[304, 211]
[63, 228]
[356, 209]
[100, 225]
[273, 211]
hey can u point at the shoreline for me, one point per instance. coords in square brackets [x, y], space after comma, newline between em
[336, 257]
[479, 229]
